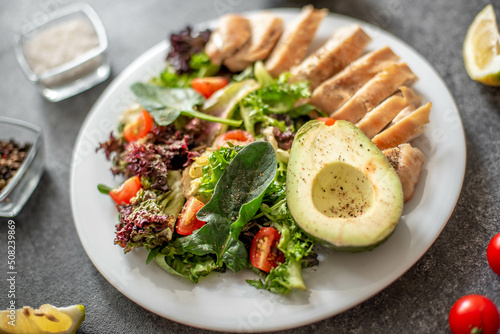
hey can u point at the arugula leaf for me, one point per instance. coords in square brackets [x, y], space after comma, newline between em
[236, 199]
[166, 104]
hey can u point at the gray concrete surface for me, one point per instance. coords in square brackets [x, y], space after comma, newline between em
[54, 268]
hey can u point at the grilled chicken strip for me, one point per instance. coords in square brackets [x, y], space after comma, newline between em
[266, 30]
[377, 119]
[405, 130]
[295, 41]
[334, 92]
[232, 33]
[374, 121]
[407, 161]
[411, 96]
[344, 46]
[377, 89]
[414, 101]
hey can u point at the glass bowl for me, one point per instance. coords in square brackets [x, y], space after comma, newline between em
[72, 76]
[23, 183]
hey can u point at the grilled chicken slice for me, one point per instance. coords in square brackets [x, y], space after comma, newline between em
[414, 101]
[411, 96]
[266, 30]
[407, 161]
[377, 89]
[377, 119]
[232, 33]
[402, 114]
[389, 110]
[344, 46]
[334, 92]
[405, 130]
[295, 41]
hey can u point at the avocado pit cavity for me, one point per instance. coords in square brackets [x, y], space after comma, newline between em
[341, 191]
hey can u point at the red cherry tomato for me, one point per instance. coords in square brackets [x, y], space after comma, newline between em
[124, 193]
[235, 137]
[139, 128]
[208, 85]
[493, 254]
[474, 314]
[264, 252]
[328, 121]
[187, 222]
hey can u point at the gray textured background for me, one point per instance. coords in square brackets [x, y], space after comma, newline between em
[54, 268]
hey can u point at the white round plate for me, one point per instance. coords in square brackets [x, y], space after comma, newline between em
[226, 302]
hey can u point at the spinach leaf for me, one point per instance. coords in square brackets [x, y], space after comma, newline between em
[236, 199]
[166, 104]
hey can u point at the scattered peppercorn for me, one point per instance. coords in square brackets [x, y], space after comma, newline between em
[12, 155]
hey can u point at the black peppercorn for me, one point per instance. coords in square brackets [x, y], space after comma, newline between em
[12, 155]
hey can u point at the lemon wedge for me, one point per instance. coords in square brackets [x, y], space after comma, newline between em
[482, 48]
[45, 320]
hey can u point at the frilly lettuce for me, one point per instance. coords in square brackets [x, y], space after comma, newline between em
[149, 220]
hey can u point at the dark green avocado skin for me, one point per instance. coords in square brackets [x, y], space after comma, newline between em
[350, 249]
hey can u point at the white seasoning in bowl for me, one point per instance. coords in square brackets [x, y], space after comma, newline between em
[60, 44]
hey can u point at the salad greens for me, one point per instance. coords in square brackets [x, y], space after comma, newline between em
[167, 104]
[273, 97]
[154, 211]
[200, 65]
[243, 187]
[235, 201]
[217, 164]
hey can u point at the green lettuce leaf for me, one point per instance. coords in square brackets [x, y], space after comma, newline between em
[174, 260]
[217, 164]
[273, 97]
[200, 65]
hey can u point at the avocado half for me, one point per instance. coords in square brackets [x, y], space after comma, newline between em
[340, 187]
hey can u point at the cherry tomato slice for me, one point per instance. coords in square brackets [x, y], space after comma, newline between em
[124, 193]
[328, 121]
[493, 254]
[264, 252]
[235, 137]
[474, 314]
[187, 222]
[139, 128]
[208, 85]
